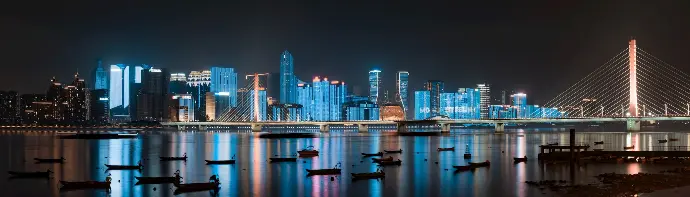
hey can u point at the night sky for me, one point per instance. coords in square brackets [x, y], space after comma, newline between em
[539, 48]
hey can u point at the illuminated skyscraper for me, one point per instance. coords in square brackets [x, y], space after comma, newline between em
[374, 85]
[100, 77]
[402, 82]
[75, 101]
[337, 94]
[185, 103]
[485, 99]
[520, 105]
[422, 105]
[98, 109]
[224, 82]
[153, 97]
[435, 89]
[288, 81]
[119, 92]
[305, 99]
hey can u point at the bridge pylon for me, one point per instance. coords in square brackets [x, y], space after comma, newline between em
[633, 125]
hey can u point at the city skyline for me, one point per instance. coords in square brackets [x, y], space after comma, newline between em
[464, 38]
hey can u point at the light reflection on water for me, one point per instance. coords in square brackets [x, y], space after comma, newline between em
[425, 171]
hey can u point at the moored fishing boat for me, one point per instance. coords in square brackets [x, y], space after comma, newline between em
[480, 164]
[393, 151]
[599, 142]
[390, 163]
[154, 180]
[372, 154]
[663, 141]
[183, 158]
[376, 160]
[629, 147]
[220, 162]
[672, 139]
[308, 152]
[283, 159]
[369, 175]
[334, 170]
[68, 185]
[518, 159]
[446, 149]
[463, 168]
[213, 184]
[125, 167]
[37, 174]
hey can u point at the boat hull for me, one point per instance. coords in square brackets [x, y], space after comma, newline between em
[482, 164]
[323, 171]
[173, 158]
[390, 163]
[372, 154]
[374, 175]
[85, 185]
[123, 167]
[195, 187]
[277, 159]
[392, 151]
[219, 162]
[463, 168]
[446, 149]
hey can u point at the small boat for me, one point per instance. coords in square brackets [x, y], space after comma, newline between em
[629, 147]
[552, 144]
[518, 159]
[599, 142]
[308, 152]
[377, 160]
[598, 149]
[125, 167]
[372, 154]
[213, 184]
[393, 151]
[663, 141]
[463, 168]
[480, 164]
[220, 162]
[390, 163]
[67, 185]
[36, 174]
[467, 154]
[155, 180]
[672, 139]
[49, 160]
[183, 158]
[334, 170]
[283, 159]
[369, 175]
[446, 149]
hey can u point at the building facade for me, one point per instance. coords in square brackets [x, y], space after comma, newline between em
[374, 85]
[9, 108]
[288, 80]
[119, 92]
[435, 88]
[152, 99]
[520, 105]
[422, 105]
[402, 80]
[98, 107]
[224, 81]
[485, 99]
[27, 112]
[361, 110]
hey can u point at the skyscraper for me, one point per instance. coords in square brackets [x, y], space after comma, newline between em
[374, 85]
[435, 88]
[337, 94]
[288, 81]
[152, 99]
[119, 91]
[198, 84]
[422, 105]
[402, 82]
[224, 81]
[185, 107]
[520, 105]
[100, 78]
[98, 109]
[485, 99]
[9, 107]
[76, 109]
[305, 95]
[178, 83]
[257, 96]
[54, 97]
[27, 111]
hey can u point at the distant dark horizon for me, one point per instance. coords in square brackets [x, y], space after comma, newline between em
[539, 48]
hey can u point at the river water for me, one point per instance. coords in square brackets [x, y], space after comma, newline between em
[424, 172]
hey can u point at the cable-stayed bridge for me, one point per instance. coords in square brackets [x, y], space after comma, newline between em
[633, 87]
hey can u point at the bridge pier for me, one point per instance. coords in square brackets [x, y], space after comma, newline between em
[324, 128]
[362, 128]
[445, 127]
[401, 127]
[499, 127]
[633, 125]
[202, 128]
[256, 127]
[181, 128]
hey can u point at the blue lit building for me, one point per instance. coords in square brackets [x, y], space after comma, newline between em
[288, 81]
[185, 111]
[402, 83]
[435, 88]
[284, 112]
[502, 112]
[422, 105]
[337, 94]
[304, 98]
[520, 104]
[361, 110]
[320, 111]
[224, 83]
[374, 85]
[119, 91]
[100, 77]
